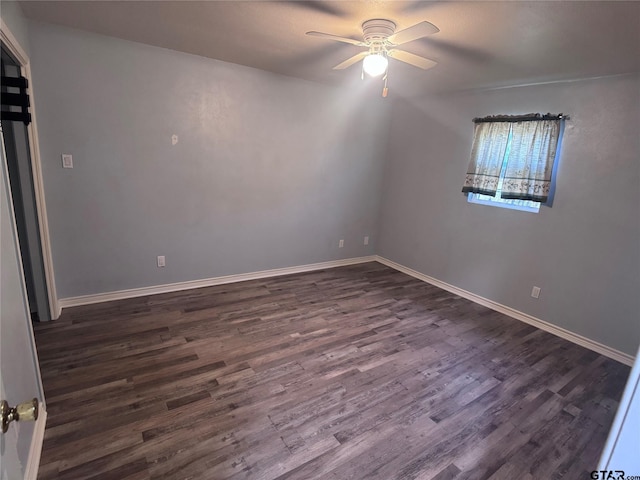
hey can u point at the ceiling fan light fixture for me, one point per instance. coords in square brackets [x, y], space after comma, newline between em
[375, 64]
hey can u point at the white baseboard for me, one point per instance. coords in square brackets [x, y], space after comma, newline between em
[242, 277]
[31, 469]
[207, 282]
[518, 315]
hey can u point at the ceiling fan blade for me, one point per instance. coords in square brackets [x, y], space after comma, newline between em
[350, 61]
[415, 32]
[411, 59]
[337, 38]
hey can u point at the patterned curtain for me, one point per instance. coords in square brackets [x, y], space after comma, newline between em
[530, 163]
[487, 154]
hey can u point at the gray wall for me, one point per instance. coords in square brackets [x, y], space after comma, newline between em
[268, 172]
[11, 15]
[584, 252]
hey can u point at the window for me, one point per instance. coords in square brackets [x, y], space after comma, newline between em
[512, 161]
[497, 200]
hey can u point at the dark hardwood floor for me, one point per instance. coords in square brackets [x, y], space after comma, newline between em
[348, 373]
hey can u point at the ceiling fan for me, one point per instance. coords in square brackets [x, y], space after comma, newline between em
[380, 38]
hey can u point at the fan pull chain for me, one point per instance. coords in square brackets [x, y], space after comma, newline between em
[385, 90]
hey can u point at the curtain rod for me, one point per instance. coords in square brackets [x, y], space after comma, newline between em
[530, 117]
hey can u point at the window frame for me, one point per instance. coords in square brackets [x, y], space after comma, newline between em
[530, 206]
[502, 203]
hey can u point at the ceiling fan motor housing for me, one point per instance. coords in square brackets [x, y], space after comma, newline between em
[381, 39]
[377, 30]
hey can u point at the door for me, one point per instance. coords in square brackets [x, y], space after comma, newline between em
[622, 451]
[20, 379]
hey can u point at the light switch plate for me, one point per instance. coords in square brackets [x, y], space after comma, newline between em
[67, 161]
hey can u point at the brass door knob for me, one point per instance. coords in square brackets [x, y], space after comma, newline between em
[27, 411]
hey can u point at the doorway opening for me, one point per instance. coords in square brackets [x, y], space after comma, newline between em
[15, 138]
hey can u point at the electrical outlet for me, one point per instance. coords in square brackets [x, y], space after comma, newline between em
[67, 161]
[161, 262]
[341, 243]
[535, 292]
[366, 240]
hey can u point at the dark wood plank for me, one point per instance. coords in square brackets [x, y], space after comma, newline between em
[355, 372]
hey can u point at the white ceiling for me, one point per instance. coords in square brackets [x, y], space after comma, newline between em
[480, 44]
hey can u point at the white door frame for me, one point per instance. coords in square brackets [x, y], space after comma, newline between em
[11, 43]
[35, 448]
